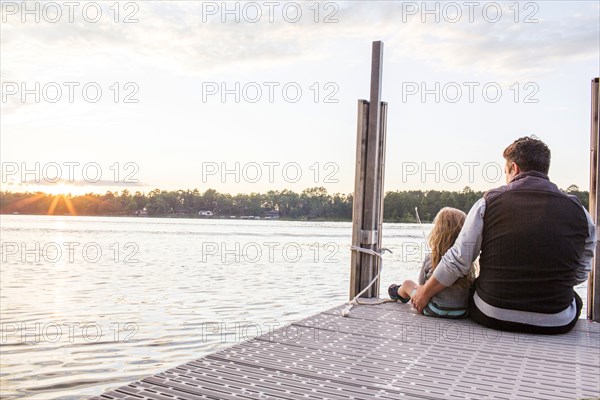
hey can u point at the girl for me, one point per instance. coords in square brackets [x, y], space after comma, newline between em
[453, 301]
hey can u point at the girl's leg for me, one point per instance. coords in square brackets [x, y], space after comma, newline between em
[402, 292]
[406, 289]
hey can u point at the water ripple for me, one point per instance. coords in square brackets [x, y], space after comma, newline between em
[72, 328]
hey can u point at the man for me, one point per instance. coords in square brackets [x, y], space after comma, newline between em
[534, 242]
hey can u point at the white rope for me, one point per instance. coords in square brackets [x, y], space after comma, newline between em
[420, 224]
[354, 301]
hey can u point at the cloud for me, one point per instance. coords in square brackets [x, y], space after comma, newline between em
[504, 48]
[85, 183]
[176, 36]
[73, 186]
[188, 38]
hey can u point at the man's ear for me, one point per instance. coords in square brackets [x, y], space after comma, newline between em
[516, 168]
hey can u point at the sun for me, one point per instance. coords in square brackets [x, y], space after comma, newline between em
[60, 192]
[57, 196]
[66, 200]
[60, 189]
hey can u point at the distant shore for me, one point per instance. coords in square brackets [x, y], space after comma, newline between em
[313, 204]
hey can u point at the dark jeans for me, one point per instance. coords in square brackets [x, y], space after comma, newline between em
[493, 323]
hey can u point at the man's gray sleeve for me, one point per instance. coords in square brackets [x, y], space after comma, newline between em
[585, 262]
[457, 261]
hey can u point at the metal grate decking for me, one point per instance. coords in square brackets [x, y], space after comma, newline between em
[389, 352]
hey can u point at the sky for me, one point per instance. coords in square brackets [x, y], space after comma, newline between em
[254, 96]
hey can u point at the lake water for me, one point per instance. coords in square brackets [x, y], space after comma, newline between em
[89, 303]
[102, 301]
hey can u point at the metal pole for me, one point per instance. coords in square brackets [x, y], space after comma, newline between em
[358, 199]
[371, 205]
[367, 211]
[593, 301]
[380, 187]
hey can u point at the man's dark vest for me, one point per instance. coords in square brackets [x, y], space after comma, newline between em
[533, 238]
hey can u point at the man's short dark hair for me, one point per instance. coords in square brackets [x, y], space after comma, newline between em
[530, 154]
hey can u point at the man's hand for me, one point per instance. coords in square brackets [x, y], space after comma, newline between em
[424, 293]
[419, 300]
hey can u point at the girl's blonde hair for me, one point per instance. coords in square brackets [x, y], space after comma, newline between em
[446, 226]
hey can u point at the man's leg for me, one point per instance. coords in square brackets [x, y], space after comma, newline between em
[493, 323]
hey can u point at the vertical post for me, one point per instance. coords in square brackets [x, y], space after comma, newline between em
[593, 303]
[371, 205]
[367, 213]
[358, 199]
[380, 186]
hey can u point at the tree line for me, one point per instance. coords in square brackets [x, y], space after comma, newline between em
[311, 204]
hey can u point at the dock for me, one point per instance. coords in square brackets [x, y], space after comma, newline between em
[389, 351]
[386, 351]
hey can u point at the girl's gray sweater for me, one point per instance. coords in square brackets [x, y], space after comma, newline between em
[452, 297]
